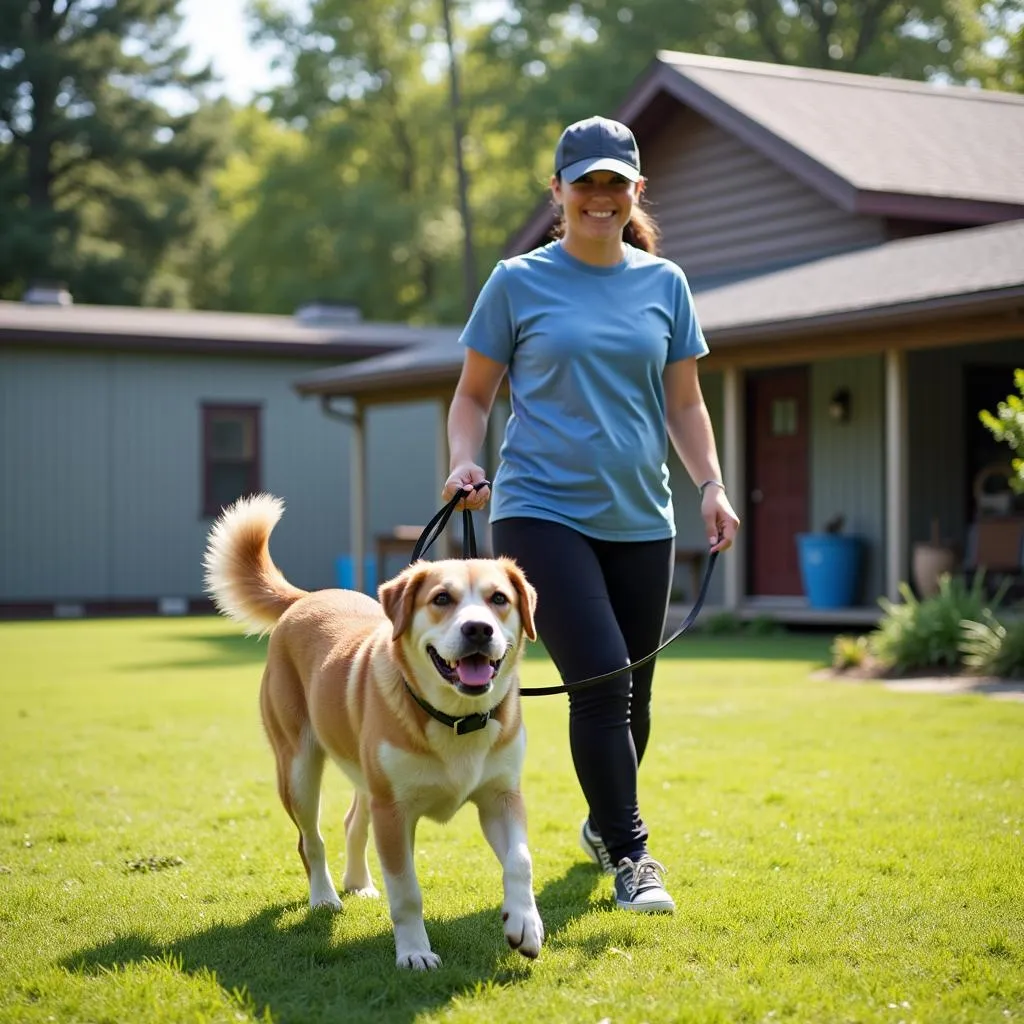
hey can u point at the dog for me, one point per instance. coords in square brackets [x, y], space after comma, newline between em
[415, 697]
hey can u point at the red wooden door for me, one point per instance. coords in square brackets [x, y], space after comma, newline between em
[777, 472]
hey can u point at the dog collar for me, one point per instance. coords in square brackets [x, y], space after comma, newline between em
[467, 723]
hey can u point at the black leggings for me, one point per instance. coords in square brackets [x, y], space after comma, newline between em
[600, 604]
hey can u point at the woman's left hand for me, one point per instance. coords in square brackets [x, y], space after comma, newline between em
[720, 519]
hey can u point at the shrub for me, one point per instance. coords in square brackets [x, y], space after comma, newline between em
[722, 624]
[991, 648]
[927, 634]
[763, 625]
[849, 651]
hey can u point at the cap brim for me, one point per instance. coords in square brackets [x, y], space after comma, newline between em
[573, 172]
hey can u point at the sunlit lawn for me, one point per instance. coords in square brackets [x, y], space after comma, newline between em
[837, 851]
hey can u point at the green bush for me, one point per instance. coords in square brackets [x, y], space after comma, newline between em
[722, 624]
[991, 648]
[927, 634]
[849, 651]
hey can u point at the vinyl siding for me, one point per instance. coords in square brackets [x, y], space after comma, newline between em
[686, 501]
[847, 475]
[727, 212]
[101, 472]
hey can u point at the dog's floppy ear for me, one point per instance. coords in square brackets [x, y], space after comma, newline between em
[398, 597]
[527, 596]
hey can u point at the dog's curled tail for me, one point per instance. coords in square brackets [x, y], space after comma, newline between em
[241, 577]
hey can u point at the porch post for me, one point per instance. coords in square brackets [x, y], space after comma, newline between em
[733, 471]
[897, 492]
[357, 498]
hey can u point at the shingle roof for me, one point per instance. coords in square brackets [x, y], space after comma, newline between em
[877, 146]
[943, 274]
[880, 134]
[189, 330]
[958, 270]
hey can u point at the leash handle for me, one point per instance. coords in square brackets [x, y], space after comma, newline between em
[436, 526]
[580, 684]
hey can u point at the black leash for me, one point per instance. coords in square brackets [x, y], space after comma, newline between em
[435, 528]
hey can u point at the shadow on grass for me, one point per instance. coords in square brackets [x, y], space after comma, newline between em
[212, 650]
[300, 971]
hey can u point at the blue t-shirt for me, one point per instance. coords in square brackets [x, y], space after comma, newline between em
[585, 347]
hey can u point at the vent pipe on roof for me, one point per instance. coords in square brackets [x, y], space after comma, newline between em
[47, 293]
[318, 312]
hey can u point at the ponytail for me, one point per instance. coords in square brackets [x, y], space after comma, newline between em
[641, 232]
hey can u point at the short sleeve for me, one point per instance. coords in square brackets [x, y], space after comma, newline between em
[490, 329]
[687, 338]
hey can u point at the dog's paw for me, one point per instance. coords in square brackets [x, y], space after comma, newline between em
[330, 900]
[419, 960]
[524, 930]
[368, 891]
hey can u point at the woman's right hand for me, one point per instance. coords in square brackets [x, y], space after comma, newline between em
[463, 477]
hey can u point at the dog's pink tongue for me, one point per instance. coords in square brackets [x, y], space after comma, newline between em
[474, 671]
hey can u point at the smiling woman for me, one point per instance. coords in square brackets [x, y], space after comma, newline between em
[600, 341]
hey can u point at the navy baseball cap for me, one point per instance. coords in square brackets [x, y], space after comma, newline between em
[597, 144]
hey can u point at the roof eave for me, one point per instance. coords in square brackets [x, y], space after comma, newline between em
[950, 209]
[10, 336]
[993, 301]
[418, 379]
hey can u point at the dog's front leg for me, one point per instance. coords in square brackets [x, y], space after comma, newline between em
[394, 834]
[503, 820]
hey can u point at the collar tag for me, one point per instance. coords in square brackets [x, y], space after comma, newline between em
[471, 723]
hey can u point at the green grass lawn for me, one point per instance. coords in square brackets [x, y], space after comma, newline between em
[838, 852]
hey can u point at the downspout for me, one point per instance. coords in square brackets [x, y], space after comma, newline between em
[354, 417]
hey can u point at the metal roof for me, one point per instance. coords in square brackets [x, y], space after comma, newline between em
[931, 275]
[106, 327]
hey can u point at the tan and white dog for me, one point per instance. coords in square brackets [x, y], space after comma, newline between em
[371, 685]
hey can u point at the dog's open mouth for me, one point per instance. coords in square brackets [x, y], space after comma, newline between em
[471, 674]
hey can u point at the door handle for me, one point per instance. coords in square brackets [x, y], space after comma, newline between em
[757, 495]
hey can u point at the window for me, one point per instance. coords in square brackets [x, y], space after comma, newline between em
[231, 454]
[784, 417]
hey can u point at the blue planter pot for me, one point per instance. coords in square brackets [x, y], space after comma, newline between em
[830, 568]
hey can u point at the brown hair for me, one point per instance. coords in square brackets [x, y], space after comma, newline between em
[641, 231]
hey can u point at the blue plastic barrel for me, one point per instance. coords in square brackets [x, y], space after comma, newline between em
[830, 568]
[344, 572]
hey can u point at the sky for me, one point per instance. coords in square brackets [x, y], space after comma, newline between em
[216, 30]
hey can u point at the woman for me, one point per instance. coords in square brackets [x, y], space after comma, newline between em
[600, 341]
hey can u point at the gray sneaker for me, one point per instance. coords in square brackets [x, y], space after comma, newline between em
[593, 846]
[638, 886]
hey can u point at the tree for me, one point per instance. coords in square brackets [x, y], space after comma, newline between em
[97, 176]
[1007, 424]
[372, 204]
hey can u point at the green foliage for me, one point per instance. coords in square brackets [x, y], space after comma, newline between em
[722, 624]
[849, 651]
[919, 634]
[730, 624]
[1007, 424]
[993, 649]
[99, 179]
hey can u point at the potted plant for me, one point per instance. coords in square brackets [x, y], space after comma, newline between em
[931, 558]
[830, 564]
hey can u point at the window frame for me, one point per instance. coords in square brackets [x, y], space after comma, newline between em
[210, 508]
